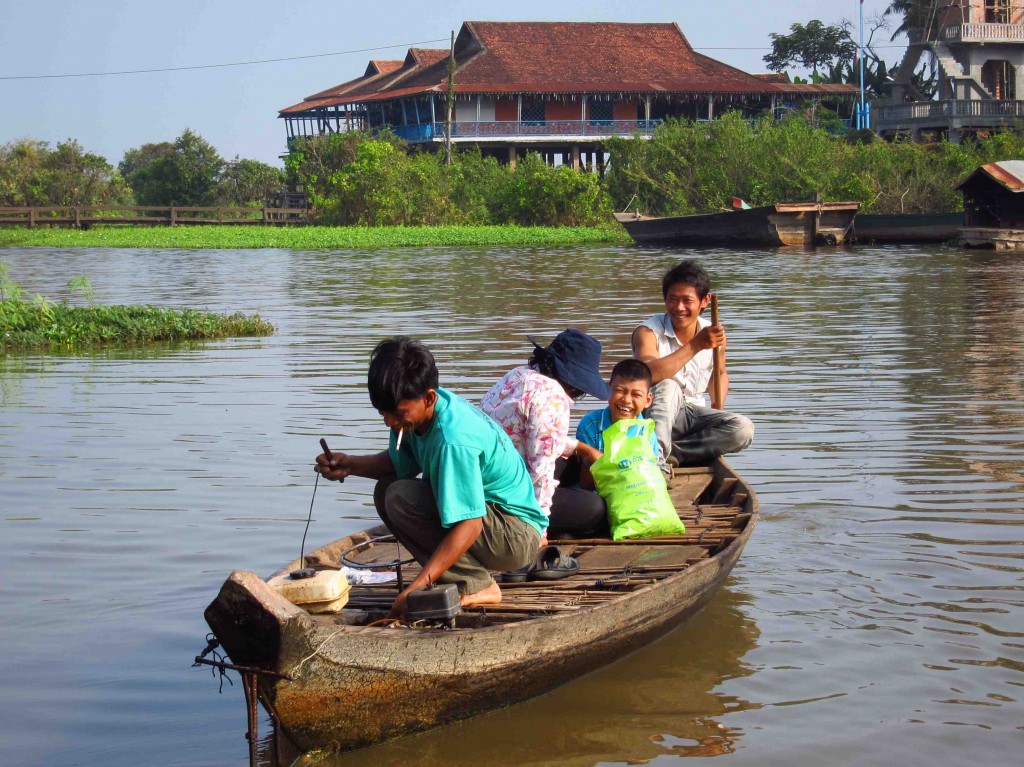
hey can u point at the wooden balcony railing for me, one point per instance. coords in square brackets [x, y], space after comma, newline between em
[986, 33]
[513, 129]
[83, 216]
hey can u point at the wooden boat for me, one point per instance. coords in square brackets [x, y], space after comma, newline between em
[341, 682]
[906, 228]
[785, 223]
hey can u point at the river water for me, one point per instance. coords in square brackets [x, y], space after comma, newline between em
[876, 617]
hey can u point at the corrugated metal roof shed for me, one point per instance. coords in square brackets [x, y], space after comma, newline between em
[1007, 173]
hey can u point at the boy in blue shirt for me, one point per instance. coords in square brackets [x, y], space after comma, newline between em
[630, 387]
[474, 509]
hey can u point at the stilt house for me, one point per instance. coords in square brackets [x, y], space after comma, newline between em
[557, 88]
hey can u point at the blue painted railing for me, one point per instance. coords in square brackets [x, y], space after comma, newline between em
[512, 128]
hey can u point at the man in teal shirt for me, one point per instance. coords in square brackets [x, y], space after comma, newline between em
[474, 509]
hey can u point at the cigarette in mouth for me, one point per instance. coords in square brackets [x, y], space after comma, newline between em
[398, 441]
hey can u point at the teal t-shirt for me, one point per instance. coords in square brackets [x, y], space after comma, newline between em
[469, 461]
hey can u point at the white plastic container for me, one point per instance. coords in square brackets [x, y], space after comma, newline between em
[327, 591]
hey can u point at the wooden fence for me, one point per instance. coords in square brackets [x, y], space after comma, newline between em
[84, 216]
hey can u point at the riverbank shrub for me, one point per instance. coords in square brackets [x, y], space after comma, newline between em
[38, 322]
[689, 167]
[358, 179]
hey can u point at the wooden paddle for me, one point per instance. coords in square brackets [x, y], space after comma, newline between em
[718, 367]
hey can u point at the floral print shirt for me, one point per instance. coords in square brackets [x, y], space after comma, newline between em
[534, 411]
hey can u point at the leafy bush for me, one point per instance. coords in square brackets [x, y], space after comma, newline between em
[356, 178]
[697, 168]
[33, 174]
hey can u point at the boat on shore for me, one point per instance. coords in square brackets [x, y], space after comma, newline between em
[351, 679]
[906, 228]
[784, 223]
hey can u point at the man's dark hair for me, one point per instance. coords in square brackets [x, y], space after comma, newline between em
[688, 273]
[632, 370]
[400, 368]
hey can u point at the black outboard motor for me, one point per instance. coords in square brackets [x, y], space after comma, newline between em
[434, 604]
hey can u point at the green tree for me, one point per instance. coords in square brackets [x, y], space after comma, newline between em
[187, 174]
[248, 182]
[33, 174]
[812, 46]
[914, 17]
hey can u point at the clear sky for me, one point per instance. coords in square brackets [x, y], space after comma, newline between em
[235, 107]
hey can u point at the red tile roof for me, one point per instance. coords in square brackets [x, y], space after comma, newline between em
[561, 57]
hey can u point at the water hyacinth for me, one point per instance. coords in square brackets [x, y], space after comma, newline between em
[310, 237]
[40, 323]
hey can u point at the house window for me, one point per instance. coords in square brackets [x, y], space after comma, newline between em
[533, 112]
[600, 111]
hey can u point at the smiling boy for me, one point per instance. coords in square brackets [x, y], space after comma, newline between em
[630, 394]
[677, 347]
[474, 508]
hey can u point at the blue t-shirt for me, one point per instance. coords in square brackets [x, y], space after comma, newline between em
[469, 461]
[591, 429]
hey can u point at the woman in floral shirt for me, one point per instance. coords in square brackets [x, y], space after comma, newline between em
[532, 404]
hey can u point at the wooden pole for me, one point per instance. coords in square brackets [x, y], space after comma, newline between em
[450, 106]
[718, 368]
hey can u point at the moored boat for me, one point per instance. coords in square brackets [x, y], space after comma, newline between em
[906, 228]
[785, 223]
[344, 680]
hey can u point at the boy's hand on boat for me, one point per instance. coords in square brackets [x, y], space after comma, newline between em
[336, 468]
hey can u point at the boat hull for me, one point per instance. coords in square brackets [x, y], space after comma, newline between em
[803, 224]
[353, 686]
[907, 228]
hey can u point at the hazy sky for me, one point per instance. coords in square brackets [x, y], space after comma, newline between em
[235, 107]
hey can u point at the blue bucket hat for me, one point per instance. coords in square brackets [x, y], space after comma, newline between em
[576, 357]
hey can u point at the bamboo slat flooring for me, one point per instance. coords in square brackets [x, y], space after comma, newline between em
[607, 568]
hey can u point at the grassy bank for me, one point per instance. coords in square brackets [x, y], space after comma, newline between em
[309, 238]
[40, 323]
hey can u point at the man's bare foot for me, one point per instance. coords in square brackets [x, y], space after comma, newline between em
[488, 596]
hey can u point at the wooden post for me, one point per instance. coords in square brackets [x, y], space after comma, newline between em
[173, 217]
[512, 157]
[575, 157]
[450, 105]
[717, 370]
[31, 218]
[78, 217]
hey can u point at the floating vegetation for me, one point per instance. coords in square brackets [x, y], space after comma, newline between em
[40, 323]
[310, 237]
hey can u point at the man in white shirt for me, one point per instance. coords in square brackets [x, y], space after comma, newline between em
[677, 347]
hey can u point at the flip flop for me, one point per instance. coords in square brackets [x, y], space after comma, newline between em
[551, 565]
[516, 576]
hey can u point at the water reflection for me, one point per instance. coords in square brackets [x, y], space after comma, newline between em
[663, 700]
[875, 612]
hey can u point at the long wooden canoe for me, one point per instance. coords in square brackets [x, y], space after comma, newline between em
[906, 228]
[785, 223]
[350, 684]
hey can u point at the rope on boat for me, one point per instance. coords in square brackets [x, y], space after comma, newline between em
[218, 664]
[298, 666]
